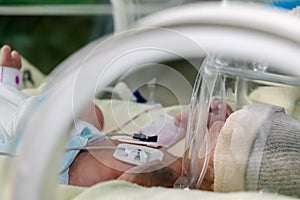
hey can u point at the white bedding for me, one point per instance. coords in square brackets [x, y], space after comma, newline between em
[121, 190]
[126, 191]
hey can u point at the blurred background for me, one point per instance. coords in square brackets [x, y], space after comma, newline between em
[47, 39]
[46, 32]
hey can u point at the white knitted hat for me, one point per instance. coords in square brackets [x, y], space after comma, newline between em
[258, 149]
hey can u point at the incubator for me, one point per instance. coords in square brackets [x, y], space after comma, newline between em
[248, 81]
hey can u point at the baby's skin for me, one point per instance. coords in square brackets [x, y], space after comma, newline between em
[218, 113]
[10, 58]
[91, 167]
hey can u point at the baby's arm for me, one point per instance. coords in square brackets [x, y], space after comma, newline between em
[155, 173]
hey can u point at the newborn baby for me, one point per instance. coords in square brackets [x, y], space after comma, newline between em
[260, 154]
[92, 167]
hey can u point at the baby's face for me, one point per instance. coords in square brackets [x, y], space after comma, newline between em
[208, 180]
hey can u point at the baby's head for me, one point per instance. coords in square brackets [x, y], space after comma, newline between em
[258, 149]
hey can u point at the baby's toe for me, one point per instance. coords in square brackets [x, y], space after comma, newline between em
[5, 59]
[16, 60]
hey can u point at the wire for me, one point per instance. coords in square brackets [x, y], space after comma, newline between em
[112, 134]
[156, 106]
[139, 136]
[7, 154]
[92, 148]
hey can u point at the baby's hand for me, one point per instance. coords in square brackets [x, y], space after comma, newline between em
[10, 58]
[182, 118]
[153, 173]
[218, 111]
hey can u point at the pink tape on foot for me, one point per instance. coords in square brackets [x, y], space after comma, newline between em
[10, 76]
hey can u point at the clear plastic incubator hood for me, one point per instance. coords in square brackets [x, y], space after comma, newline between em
[244, 111]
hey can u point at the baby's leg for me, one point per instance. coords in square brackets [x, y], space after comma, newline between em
[10, 58]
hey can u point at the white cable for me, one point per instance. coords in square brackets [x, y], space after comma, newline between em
[91, 148]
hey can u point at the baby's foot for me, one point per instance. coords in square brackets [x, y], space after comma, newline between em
[10, 58]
